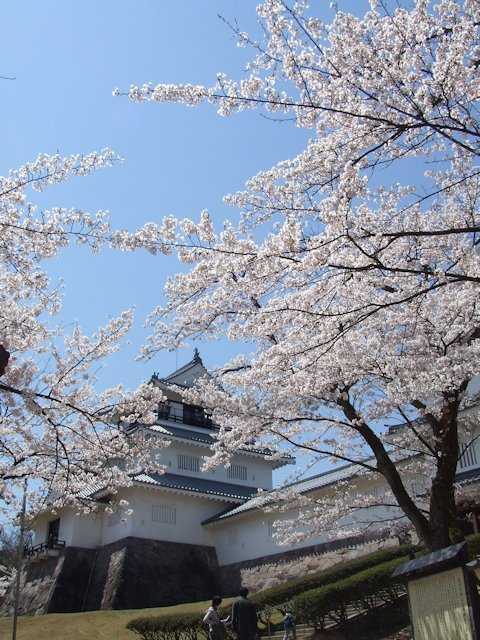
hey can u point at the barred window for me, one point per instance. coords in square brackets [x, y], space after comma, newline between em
[378, 491]
[188, 463]
[468, 457]
[164, 513]
[237, 472]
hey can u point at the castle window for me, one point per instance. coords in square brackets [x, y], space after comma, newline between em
[176, 412]
[196, 416]
[468, 457]
[237, 472]
[270, 528]
[188, 463]
[164, 514]
[163, 410]
[417, 487]
[377, 492]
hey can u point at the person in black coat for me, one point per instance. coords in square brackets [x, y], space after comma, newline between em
[244, 617]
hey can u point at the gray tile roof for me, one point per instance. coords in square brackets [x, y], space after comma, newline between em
[91, 490]
[249, 505]
[207, 439]
[302, 486]
[320, 480]
[233, 492]
[185, 434]
[467, 477]
[327, 477]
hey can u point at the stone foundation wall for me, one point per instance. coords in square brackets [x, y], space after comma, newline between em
[160, 573]
[55, 584]
[135, 573]
[230, 574]
[131, 573]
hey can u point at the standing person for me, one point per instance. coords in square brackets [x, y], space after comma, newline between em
[290, 632]
[216, 626]
[244, 617]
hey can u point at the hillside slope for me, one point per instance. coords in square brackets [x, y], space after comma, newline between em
[91, 625]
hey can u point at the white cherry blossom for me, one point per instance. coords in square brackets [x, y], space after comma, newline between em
[56, 427]
[355, 270]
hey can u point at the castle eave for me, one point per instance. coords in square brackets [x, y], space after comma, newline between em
[198, 439]
[196, 486]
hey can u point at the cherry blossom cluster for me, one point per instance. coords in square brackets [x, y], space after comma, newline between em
[7, 575]
[56, 427]
[355, 270]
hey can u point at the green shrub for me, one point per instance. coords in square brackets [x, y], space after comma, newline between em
[473, 543]
[173, 627]
[332, 594]
[283, 593]
[364, 590]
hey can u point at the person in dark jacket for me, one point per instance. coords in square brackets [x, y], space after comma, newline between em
[244, 617]
[289, 627]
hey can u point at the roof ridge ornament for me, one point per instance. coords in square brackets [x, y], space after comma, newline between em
[196, 356]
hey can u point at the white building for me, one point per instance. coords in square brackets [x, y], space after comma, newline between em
[190, 531]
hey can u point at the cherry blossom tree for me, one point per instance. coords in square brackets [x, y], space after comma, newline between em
[55, 426]
[354, 270]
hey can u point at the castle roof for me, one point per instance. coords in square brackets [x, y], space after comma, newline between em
[212, 489]
[207, 440]
[185, 376]
[184, 484]
[468, 477]
[325, 479]
[301, 486]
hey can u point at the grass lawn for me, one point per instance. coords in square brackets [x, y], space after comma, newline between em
[93, 625]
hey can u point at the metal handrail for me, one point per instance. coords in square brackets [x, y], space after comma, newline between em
[51, 543]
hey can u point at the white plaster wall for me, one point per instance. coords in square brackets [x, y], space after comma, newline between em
[39, 529]
[248, 536]
[259, 472]
[78, 530]
[117, 525]
[190, 513]
[87, 530]
[66, 525]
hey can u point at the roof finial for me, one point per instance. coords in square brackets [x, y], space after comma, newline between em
[196, 355]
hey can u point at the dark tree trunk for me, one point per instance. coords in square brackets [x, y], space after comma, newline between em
[444, 519]
[441, 527]
[388, 469]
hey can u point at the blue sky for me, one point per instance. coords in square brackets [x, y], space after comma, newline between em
[66, 58]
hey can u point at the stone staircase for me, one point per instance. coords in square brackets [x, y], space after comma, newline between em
[305, 631]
